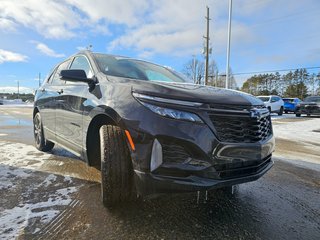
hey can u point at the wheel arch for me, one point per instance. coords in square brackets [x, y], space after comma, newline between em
[35, 111]
[92, 138]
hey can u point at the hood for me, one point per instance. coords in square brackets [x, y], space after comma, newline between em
[192, 92]
[309, 103]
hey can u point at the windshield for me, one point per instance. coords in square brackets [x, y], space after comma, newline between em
[312, 99]
[288, 100]
[264, 99]
[136, 69]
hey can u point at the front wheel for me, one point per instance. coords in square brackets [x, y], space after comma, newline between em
[41, 143]
[298, 114]
[116, 166]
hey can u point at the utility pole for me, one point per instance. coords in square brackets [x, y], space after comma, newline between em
[207, 48]
[194, 69]
[18, 91]
[228, 46]
[39, 79]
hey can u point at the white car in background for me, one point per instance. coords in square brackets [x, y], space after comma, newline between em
[273, 103]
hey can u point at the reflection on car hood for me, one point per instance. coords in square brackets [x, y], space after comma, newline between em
[193, 92]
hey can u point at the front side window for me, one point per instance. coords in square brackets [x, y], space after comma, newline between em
[274, 99]
[81, 62]
[136, 69]
[55, 79]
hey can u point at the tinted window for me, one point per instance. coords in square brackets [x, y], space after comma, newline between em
[288, 100]
[264, 99]
[81, 62]
[136, 69]
[56, 76]
[312, 99]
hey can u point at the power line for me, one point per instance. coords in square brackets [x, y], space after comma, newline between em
[267, 71]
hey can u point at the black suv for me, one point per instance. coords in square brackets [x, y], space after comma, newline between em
[148, 129]
[310, 105]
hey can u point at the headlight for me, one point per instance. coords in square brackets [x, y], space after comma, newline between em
[172, 113]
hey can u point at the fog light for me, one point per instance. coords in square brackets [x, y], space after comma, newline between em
[156, 155]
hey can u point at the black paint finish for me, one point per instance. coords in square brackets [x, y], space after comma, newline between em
[72, 114]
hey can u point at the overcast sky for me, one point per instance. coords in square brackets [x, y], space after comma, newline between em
[266, 34]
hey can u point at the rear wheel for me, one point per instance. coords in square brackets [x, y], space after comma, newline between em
[41, 143]
[298, 114]
[285, 111]
[116, 167]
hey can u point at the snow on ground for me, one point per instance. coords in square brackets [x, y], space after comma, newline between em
[14, 220]
[41, 195]
[22, 105]
[275, 116]
[300, 131]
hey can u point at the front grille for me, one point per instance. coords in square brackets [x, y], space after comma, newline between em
[232, 170]
[241, 128]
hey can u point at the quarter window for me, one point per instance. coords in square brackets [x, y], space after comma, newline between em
[81, 62]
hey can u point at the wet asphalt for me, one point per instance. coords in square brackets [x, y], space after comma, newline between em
[284, 204]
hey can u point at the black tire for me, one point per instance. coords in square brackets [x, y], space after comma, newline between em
[298, 114]
[41, 143]
[308, 114]
[280, 111]
[286, 111]
[116, 167]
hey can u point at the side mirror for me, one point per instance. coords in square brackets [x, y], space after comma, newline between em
[74, 75]
[77, 75]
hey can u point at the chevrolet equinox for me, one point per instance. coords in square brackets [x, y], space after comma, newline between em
[148, 129]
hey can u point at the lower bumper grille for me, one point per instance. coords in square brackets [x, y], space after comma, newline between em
[233, 170]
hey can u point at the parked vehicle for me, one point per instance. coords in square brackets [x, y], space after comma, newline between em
[309, 106]
[275, 104]
[290, 104]
[148, 129]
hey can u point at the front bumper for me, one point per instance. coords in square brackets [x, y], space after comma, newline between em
[198, 156]
[148, 183]
[309, 109]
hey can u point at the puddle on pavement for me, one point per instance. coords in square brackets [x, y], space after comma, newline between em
[8, 120]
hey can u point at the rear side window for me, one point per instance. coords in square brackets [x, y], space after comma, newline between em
[55, 78]
[81, 62]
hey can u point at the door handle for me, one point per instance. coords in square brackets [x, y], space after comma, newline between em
[60, 92]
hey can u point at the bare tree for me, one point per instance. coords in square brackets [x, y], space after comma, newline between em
[194, 69]
[213, 74]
